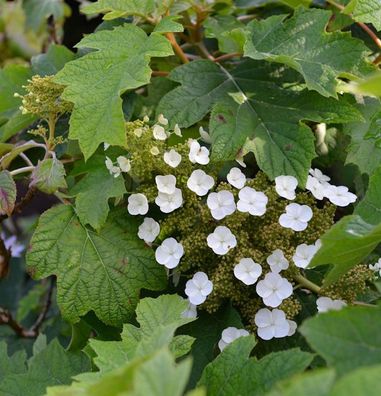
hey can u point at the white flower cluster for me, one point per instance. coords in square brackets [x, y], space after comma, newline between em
[273, 288]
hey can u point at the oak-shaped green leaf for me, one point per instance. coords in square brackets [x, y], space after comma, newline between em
[233, 372]
[301, 42]
[50, 366]
[118, 8]
[103, 186]
[250, 103]
[8, 193]
[12, 78]
[352, 238]
[364, 149]
[96, 81]
[158, 319]
[368, 11]
[14, 364]
[346, 339]
[102, 272]
[48, 176]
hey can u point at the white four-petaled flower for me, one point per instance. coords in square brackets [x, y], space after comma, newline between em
[137, 204]
[159, 132]
[340, 196]
[277, 261]
[169, 202]
[271, 324]
[304, 254]
[221, 240]
[172, 158]
[221, 204]
[169, 253]
[149, 230]
[236, 178]
[166, 184]
[274, 289]
[247, 271]
[285, 186]
[229, 335]
[296, 217]
[197, 153]
[325, 304]
[199, 182]
[198, 288]
[252, 201]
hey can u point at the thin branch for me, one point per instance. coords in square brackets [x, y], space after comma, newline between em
[26, 159]
[244, 18]
[307, 283]
[22, 170]
[6, 318]
[227, 56]
[180, 53]
[204, 51]
[48, 302]
[159, 73]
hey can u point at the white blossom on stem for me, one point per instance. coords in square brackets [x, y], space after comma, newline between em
[198, 288]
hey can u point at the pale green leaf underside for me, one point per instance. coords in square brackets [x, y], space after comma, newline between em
[103, 271]
[302, 43]
[96, 81]
[270, 116]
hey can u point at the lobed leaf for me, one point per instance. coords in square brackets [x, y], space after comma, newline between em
[302, 43]
[249, 102]
[102, 272]
[96, 81]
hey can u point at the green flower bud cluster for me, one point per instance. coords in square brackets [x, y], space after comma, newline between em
[43, 98]
[350, 285]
